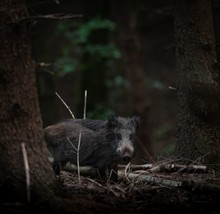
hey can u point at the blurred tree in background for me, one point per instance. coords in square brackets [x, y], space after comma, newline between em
[125, 14]
[91, 57]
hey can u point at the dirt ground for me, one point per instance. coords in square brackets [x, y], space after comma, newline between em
[199, 193]
[149, 192]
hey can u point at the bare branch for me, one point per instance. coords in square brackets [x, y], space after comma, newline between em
[98, 184]
[153, 179]
[65, 105]
[85, 100]
[84, 170]
[77, 154]
[136, 167]
[27, 170]
[167, 168]
[72, 144]
[178, 167]
[78, 166]
[56, 16]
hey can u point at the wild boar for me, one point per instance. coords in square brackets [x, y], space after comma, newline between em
[103, 144]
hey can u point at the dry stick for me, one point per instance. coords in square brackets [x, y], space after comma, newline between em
[84, 110]
[65, 105]
[154, 179]
[126, 169]
[80, 135]
[73, 168]
[71, 144]
[78, 147]
[136, 167]
[167, 167]
[105, 188]
[77, 155]
[55, 16]
[178, 168]
[27, 170]
[78, 167]
[98, 184]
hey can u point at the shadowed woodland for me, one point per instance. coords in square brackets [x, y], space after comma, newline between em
[157, 60]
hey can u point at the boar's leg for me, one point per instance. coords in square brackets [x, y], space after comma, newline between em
[113, 171]
[56, 167]
[98, 173]
[93, 172]
[113, 175]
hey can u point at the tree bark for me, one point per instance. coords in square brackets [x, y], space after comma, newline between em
[198, 91]
[125, 16]
[20, 118]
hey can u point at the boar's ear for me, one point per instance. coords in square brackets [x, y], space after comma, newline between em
[112, 122]
[135, 121]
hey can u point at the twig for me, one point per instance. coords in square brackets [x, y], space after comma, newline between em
[56, 16]
[27, 170]
[84, 170]
[164, 167]
[120, 189]
[171, 88]
[77, 154]
[65, 105]
[85, 100]
[178, 167]
[187, 183]
[136, 167]
[105, 188]
[71, 144]
[78, 166]
[126, 169]
[154, 180]
[98, 184]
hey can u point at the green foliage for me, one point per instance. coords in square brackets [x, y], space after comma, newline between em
[67, 65]
[155, 84]
[82, 33]
[102, 51]
[79, 43]
[117, 81]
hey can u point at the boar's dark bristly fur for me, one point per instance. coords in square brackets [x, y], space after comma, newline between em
[95, 150]
[103, 144]
[122, 129]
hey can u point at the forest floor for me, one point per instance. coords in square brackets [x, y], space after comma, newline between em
[144, 189]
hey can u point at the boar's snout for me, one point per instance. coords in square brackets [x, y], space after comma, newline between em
[125, 154]
[126, 158]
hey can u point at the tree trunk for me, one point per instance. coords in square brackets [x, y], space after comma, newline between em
[20, 118]
[198, 91]
[125, 16]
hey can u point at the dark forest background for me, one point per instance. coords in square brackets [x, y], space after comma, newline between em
[102, 47]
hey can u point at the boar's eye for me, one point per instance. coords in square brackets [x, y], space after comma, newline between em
[131, 136]
[118, 136]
